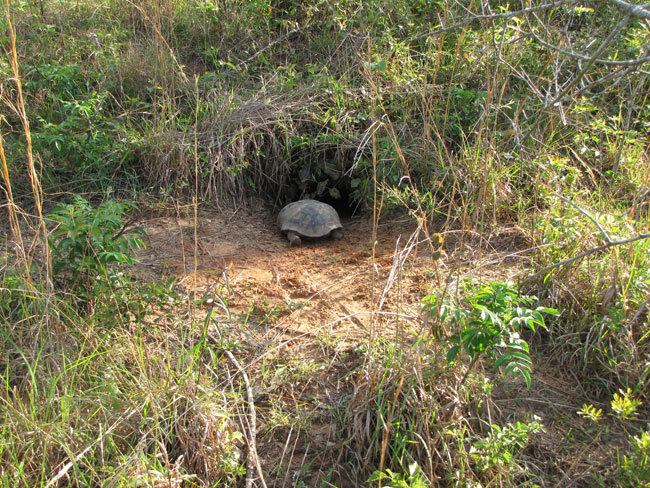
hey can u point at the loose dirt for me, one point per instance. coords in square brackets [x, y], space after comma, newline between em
[311, 309]
[324, 283]
[242, 256]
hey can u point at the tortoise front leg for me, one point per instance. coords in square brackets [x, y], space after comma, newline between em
[294, 239]
[337, 234]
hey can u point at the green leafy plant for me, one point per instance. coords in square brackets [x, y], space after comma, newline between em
[75, 124]
[85, 241]
[591, 412]
[413, 479]
[635, 465]
[466, 110]
[498, 452]
[83, 138]
[490, 321]
[625, 406]
[127, 299]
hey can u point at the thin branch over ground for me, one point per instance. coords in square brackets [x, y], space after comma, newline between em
[585, 254]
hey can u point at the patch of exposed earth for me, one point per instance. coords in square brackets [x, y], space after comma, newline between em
[244, 256]
[246, 259]
[309, 309]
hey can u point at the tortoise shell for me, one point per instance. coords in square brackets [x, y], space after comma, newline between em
[309, 218]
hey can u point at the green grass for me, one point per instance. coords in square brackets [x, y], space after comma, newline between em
[100, 401]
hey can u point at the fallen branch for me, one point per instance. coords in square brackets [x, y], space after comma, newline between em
[253, 462]
[586, 214]
[587, 253]
[63, 471]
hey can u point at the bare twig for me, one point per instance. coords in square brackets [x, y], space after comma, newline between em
[62, 472]
[640, 311]
[399, 258]
[587, 253]
[634, 10]
[639, 11]
[573, 54]
[271, 44]
[586, 214]
[618, 74]
[125, 227]
[492, 16]
[608, 40]
[253, 459]
[195, 197]
[643, 196]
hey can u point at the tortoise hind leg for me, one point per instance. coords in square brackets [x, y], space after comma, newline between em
[337, 234]
[294, 239]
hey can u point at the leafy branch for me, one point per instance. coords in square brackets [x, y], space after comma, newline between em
[490, 321]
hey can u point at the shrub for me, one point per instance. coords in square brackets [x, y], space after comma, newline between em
[490, 321]
[86, 241]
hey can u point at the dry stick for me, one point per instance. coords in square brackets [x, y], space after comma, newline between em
[291, 457]
[399, 258]
[635, 204]
[506, 15]
[584, 57]
[618, 74]
[253, 462]
[284, 451]
[271, 44]
[387, 427]
[586, 214]
[587, 253]
[124, 228]
[636, 10]
[608, 40]
[575, 463]
[361, 146]
[375, 220]
[62, 472]
[196, 180]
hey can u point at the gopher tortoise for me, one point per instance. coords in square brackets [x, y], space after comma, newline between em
[311, 219]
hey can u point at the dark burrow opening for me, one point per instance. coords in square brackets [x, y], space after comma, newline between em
[345, 205]
[327, 181]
